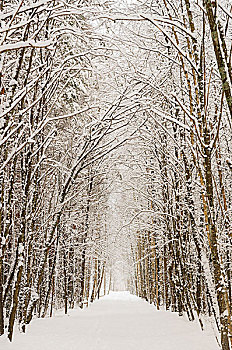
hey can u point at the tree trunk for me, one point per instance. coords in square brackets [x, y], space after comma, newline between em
[1, 299]
[221, 291]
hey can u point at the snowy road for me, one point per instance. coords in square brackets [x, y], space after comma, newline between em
[119, 321]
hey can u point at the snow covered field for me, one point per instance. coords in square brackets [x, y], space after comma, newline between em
[119, 321]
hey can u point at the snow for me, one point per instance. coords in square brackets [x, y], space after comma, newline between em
[20, 248]
[25, 44]
[119, 321]
[13, 82]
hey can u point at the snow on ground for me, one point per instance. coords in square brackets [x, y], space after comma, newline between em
[119, 321]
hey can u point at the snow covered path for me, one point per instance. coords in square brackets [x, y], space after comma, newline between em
[119, 321]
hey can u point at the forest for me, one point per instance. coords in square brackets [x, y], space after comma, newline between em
[116, 157]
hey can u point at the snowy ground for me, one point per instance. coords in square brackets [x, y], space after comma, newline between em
[118, 321]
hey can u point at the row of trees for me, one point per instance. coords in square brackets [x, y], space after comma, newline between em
[78, 80]
[182, 221]
[58, 124]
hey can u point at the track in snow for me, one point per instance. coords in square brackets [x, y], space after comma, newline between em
[119, 321]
